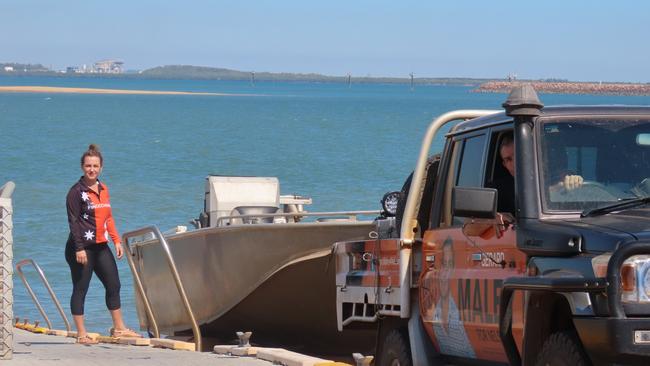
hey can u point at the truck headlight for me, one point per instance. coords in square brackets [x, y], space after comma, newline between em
[646, 282]
[635, 279]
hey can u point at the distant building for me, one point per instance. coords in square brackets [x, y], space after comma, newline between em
[108, 67]
[71, 70]
[9, 68]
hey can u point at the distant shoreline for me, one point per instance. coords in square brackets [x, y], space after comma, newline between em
[629, 89]
[68, 90]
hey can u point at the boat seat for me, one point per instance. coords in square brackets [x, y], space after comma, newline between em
[252, 210]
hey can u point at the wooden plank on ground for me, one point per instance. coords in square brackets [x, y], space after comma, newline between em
[93, 336]
[244, 351]
[289, 358]
[61, 333]
[235, 350]
[170, 343]
[106, 339]
[223, 349]
[134, 341]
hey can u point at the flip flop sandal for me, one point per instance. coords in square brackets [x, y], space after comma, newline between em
[124, 333]
[86, 340]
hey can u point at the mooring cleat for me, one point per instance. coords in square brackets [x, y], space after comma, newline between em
[362, 360]
[244, 338]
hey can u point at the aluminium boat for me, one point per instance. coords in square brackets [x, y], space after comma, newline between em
[255, 261]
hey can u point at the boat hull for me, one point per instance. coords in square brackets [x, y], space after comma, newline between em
[295, 308]
[272, 279]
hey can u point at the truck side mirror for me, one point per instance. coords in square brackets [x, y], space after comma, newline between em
[477, 203]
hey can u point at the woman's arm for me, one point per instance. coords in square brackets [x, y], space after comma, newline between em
[112, 230]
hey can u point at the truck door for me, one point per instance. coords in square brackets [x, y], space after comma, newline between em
[462, 276]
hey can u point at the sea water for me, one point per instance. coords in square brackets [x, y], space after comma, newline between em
[343, 145]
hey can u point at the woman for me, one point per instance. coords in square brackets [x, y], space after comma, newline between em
[87, 251]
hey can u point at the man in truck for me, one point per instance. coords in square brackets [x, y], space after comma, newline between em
[506, 183]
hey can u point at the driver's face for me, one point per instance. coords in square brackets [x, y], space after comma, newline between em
[508, 158]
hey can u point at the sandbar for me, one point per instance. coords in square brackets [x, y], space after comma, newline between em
[57, 89]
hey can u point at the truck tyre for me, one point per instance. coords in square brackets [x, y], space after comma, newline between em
[396, 350]
[562, 349]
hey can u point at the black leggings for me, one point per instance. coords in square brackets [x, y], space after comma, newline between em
[101, 261]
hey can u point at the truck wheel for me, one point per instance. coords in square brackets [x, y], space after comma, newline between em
[395, 350]
[562, 349]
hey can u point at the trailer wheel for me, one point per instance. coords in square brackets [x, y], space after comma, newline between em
[562, 349]
[395, 350]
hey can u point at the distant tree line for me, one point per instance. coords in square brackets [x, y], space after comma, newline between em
[216, 73]
[200, 72]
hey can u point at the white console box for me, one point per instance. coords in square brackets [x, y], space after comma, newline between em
[223, 194]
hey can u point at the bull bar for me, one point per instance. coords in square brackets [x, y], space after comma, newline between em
[611, 285]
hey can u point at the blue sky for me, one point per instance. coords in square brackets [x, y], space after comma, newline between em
[576, 40]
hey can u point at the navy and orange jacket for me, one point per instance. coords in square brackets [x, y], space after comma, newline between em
[90, 216]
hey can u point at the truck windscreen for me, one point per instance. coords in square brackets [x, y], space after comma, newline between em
[590, 162]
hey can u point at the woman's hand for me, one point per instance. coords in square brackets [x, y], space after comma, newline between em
[119, 251]
[81, 257]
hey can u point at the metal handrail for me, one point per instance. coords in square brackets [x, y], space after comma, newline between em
[41, 274]
[298, 213]
[172, 266]
[138, 282]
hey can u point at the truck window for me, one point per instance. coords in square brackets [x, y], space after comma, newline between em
[465, 170]
[605, 152]
[470, 173]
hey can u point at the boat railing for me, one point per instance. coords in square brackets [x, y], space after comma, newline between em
[350, 215]
[174, 271]
[41, 274]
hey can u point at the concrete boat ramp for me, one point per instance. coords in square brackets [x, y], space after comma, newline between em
[41, 350]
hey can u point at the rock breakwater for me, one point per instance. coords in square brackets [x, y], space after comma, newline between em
[568, 87]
